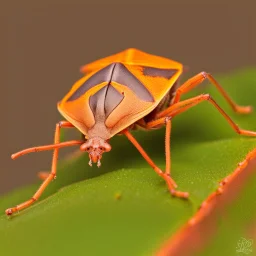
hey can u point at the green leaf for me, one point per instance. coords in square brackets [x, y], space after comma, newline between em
[124, 208]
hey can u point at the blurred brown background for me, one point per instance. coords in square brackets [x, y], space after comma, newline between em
[46, 42]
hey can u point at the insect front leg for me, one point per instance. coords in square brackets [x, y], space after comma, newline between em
[165, 175]
[52, 174]
[42, 175]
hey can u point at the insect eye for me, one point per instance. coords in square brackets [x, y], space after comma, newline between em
[88, 148]
[101, 148]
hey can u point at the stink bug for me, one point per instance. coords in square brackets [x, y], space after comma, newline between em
[120, 93]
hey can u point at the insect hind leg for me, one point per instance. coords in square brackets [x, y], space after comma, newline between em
[197, 80]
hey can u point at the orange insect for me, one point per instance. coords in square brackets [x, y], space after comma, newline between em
[119, 93]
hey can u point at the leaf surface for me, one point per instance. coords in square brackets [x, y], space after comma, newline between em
[124, 208]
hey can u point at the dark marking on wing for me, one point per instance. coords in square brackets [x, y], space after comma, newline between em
[114, 72]
[96, 102]
[104, 75]
[104, 101]
[124, 77]
[112, 100]
[159, 72]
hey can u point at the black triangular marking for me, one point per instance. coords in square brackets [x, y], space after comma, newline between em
[159, 72]
[116, 72]
[104, 101]
[96, 101]
[104, 75]
[124, 77]
[112, 100]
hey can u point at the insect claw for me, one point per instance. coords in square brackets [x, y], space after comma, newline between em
[90, 162]
[99, 163]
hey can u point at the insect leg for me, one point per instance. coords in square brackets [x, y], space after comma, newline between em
[52, 175]
[167, 146]
[182, 106]
[170, 182]
[198, 79]
[44, 174]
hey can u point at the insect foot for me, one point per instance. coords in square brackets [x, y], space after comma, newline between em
[172, 185]
[180, 194]
[9, 212]
[243, 109]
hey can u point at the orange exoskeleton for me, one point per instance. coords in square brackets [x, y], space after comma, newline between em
[119, 93]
